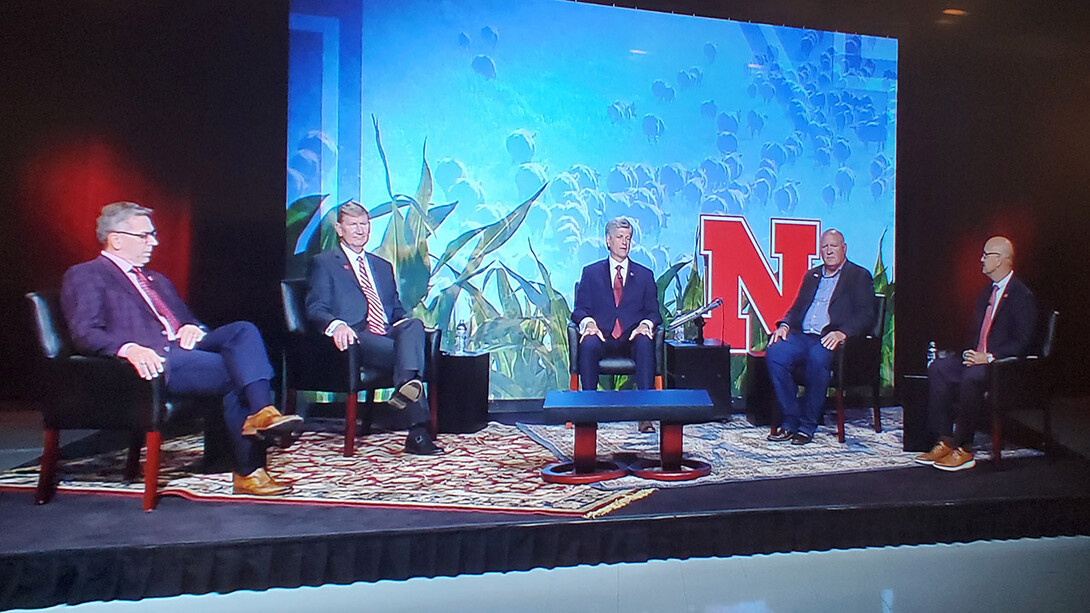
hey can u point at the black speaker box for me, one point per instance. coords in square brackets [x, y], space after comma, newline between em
[701, 367]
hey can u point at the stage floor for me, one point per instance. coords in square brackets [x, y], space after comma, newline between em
[91, 547]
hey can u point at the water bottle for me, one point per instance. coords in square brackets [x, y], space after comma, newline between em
[932, 353]
[461, 336]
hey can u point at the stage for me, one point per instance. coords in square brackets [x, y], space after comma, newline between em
[84, 548]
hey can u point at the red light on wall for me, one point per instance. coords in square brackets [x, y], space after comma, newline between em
[63, 186]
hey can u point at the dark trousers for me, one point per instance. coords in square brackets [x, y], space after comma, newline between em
[402, 346]
[950, 381]
[225, 362]
[802, 353]
[641, 349]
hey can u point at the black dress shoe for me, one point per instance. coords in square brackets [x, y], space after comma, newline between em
[407, 394]
[420, 443]
[801, 439]
[780, 436]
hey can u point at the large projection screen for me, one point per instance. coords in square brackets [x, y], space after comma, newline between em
[492, 141]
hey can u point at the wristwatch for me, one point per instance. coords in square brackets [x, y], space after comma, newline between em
[991, 358]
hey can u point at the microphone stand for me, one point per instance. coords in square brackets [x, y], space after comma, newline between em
[699, 322]
[697, 319]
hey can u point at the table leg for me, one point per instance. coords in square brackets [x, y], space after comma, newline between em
[585, 466]
[586, 448]
[670, 466]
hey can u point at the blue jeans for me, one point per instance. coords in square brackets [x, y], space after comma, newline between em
[802, 353]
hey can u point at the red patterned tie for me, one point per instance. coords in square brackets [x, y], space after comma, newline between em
[376, 318]
[986, 325]
[157, 302]
[618, 292]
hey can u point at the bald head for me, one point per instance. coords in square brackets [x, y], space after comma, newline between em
[833, 249]
[998, 258]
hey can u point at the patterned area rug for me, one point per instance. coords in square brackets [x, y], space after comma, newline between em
[738, 451]
[496, 470]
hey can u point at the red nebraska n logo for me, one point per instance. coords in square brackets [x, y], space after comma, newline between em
[737, 267]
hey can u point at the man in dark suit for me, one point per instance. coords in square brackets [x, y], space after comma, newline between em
[1003, 326]
[114, 307]
[834, 303]
[617, 309]
[352, 297]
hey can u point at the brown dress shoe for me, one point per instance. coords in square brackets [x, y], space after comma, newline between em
[259, 483]
[938, 452]
[959, 459]
[268, 423]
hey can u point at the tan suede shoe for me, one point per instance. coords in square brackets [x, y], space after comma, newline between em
[959, 459]
[938, 452]
[259, 483]
[269, 421]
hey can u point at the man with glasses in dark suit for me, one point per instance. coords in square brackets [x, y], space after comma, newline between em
[116, 307]
[1003, 326]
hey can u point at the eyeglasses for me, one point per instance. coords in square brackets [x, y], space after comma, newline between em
[988, 254]
[154, 235]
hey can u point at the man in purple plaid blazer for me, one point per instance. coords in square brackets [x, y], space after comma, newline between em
[116, 307]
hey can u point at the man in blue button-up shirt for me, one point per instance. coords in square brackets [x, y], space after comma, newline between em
[834, 303]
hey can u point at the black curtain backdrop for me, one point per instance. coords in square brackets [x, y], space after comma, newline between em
[181, 105]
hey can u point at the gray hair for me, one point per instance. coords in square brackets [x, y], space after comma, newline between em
[113, 215]
[617, 223]
[351, 209]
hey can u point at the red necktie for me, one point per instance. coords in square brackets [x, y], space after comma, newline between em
[157, 302]
[376, 318]
[618, 292]
[986, 325]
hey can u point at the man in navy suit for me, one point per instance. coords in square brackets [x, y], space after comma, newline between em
[834, 303]
[114, 307]
[352, 297]
[1003, 326]
[617, 309]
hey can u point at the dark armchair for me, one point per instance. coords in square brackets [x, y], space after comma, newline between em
[105, 393]
[312, 362]
[859, 364]
[1022, 382]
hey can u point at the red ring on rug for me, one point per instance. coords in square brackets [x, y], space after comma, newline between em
[564, 472]
[652, 469]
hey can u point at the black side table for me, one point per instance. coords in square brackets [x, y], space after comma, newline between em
[463, 392]
[913, 393]
[761, 408]
[701, 367]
